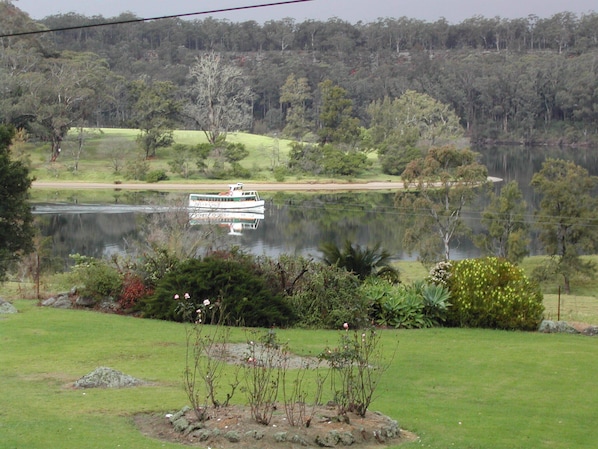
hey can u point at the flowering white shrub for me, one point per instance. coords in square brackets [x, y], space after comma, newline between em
[441, 273]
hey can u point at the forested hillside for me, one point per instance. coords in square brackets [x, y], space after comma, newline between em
[527, 80]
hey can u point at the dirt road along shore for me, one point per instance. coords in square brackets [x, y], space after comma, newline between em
[193, 187]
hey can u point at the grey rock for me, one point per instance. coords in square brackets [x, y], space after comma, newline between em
[329, 440]
[6, 307]
[255, 434]
[232, 436]
[181, 424]
[84, 301]
[109, 306]
[590, 331]
[180, 413]
[280, 437]
[49, 302]
[298, 439]
[194, 426]
[392, 430]
[346, 438]
[202, 434]
[63, 302]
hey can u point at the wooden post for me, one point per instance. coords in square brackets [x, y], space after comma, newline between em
[558, 311]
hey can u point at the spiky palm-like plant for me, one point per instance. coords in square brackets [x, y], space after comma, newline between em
[363, 262]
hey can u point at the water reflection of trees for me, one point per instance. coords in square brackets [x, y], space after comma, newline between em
[519, 163]
[95, 235]
[304, 221]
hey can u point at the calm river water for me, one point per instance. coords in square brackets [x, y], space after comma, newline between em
[294, 223]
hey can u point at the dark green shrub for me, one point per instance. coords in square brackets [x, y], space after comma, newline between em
[95, 278]
[362, 262]
[327, 297]
[339, 162]
[286, 273]
[493, 293]
[234, 284]
[156, 176]
[155, 264]
[280, 173]
[394, 160]
[321, 296]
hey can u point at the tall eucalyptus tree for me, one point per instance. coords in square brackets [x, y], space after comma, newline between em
[567, 218]
[437, 190]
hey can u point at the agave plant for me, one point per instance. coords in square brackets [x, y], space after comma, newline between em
[418, 305]
[436, 302]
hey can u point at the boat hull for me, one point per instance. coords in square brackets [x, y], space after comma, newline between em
[199, 205]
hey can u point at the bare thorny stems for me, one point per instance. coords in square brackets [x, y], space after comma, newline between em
[206, 345]
[265, 363]
[295, 394]
[356, 368]
[354, 371]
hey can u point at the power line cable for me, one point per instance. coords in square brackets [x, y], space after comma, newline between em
[138, 20]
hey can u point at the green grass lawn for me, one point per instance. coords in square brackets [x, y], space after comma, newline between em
[453, 387]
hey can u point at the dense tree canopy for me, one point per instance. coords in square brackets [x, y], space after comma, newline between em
[155, 111]
[16, 221]
[567, 218]
[400, 129]
[524, 80]
[506, 233]
[337, 123]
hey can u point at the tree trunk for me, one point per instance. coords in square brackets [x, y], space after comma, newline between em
[567, 284]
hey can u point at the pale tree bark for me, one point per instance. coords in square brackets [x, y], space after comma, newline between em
[220, 97]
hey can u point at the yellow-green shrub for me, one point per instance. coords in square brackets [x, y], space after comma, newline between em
[493, 293]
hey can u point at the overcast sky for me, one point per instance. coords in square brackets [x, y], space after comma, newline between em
[454, 11]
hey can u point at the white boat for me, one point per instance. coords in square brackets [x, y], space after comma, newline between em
[235, 199]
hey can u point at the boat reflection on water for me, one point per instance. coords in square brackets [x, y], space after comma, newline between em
[236, 222]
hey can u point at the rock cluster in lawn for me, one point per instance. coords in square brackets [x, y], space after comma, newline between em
[104, 377]
[71, 299]
[557, 327]
[563, 327]
[590, 331]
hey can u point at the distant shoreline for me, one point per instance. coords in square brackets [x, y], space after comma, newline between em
[192, 187]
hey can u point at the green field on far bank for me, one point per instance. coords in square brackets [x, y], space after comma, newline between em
[103, 148]
[464, 388]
